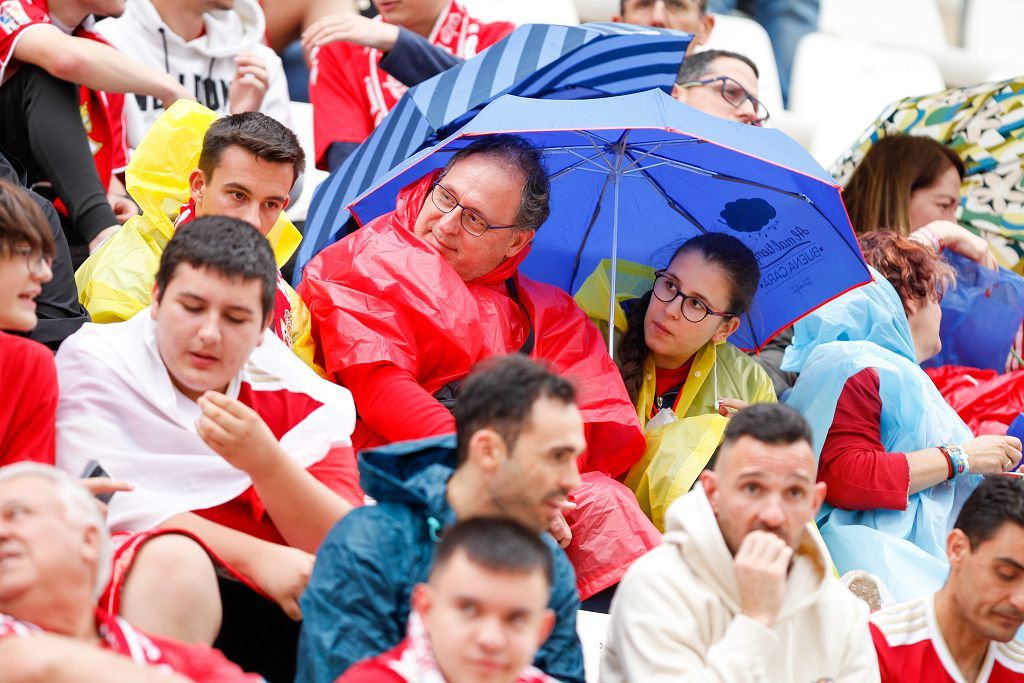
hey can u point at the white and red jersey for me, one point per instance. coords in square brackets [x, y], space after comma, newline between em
[911, 647]
[102, 113]
[197, 662]
[351, 95]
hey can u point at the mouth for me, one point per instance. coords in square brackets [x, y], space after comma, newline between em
[660, 329]
[28, 298]
[201, 360]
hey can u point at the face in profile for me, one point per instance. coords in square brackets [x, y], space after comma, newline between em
[925, 318]
[988, 581]
[669, 330]
[764, 487]
[490, 191]
[530, 483]
[207, 324]
[243, 186]
[936, 202]
[23, 271]
[484, 626]
[41, 549]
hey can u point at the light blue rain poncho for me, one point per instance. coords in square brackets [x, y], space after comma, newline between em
[867, 328]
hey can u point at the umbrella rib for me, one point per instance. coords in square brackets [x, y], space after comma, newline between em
[577, 165]
[672, 203]
[724, 176]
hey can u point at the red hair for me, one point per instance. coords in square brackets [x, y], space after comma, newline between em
[914, 270]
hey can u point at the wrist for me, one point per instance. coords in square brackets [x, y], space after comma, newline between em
[386, 37]
[268, 464]
[958, 458]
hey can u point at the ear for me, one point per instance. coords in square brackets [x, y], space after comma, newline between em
[617, 18]
[155, 301]
[197, 185]
[958, 547]
[547, 624]
[487, 450]
[287, 201]
[92, 546]
[709, 480]
[679, 92]
[520, 238]
[707, 25]
[422, 598]
[819, 496]
[728, 326]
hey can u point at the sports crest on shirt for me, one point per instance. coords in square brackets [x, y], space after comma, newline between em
[12, 16]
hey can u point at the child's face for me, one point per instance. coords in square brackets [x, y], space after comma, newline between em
[22, 274]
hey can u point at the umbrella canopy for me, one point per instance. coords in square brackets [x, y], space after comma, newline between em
[635, 175]
[984, 124]
[536, 60]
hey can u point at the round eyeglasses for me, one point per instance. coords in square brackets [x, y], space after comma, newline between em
[693, 309]
[675, 7]
[36, 261]
[735, 94]
[472, 222]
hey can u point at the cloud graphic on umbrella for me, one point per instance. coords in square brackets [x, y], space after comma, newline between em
[748, 215]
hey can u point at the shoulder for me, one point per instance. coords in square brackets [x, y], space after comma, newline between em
[1011, 655]
[26, 351]
[374, 670]
[371, 530]
[902, 624]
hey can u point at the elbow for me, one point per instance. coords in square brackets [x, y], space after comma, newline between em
[66, 65]
[24, 661]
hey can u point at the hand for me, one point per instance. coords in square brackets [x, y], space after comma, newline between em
[728, 406]
[964, 242]
[559, 528]
[762, 565]
[282, 573]
[123, 206]
[249, 84]
[173, 92]
[99, 485]
[993, 454]
[351, 27]
[237, 433]
[102, 237]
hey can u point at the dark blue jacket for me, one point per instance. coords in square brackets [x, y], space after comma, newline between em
[357, 602]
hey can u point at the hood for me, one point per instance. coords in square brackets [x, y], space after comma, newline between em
[872, 313]
[407, 209]
[413, 473]
[691, 526]
[227, 33]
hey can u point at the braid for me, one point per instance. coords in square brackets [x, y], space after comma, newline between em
[632, 351]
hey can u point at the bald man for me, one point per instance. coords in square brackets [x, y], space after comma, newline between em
[742, 590]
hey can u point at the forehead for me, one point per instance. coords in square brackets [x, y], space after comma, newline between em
[214, 287]
[748, 456]
[697, 275]
[1007, 542]
[462, 578]
[29, 488]
[554, 424]
[486, 173]
[735, 69]
[238, 166]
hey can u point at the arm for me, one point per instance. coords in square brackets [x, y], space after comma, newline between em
[378, 388]
[47, 658]
[949, 235]
[240, 436]
[94, 65]
[413, 59]
[561, 656]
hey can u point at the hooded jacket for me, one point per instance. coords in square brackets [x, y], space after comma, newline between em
[356, 604]
[676, 616]
[205, 65]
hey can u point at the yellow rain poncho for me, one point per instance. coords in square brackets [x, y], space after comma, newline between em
[677, 452]
[116, 282]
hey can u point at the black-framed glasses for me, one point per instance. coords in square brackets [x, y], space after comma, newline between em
[735, 94]
[676, 7]
[35, 260]
[472, 222]
[693, 309]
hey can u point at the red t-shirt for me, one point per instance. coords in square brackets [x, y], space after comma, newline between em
[198, 663]
[669, 380]
[911, 647]
[28, 401]
[102, 113]
[859, 472]
[351, 95]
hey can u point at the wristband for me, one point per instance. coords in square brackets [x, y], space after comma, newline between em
[958, 456]
[950, 468]
[933, 238]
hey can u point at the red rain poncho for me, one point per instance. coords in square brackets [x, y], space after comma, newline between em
[384, 296]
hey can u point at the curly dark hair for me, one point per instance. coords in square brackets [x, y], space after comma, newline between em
[915, 271]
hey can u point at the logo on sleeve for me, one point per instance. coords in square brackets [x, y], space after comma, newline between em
[12, 16]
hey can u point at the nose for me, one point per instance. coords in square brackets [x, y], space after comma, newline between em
[451, 223]
[43, 272]
[658, 15]
[746, 112]
[209, 331]
[490, 637]
[571, 477]
[771, 514]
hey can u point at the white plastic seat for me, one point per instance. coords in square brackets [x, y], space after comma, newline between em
[899, 23]
[592, 628]
[597, 10]
[302, 126]
[992, 28]
[525, 11]
[843, 86]
[748, 38]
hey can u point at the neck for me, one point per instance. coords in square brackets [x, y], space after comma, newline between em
[464, 494]
[186, 21]
[66, 613]
[967, 646]
[68, 12]
[424, 28]
[670, 362]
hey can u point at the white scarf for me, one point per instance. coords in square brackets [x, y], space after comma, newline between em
[119, 407]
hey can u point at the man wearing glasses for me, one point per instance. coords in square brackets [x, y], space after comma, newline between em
[723, 84]
[402, 309]
[682, 15]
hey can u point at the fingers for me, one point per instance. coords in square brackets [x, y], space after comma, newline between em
[216, 403]
[291, 608]
[567, 506]
[727, 406]
[215, 436]
[97, 485]
[764, 549]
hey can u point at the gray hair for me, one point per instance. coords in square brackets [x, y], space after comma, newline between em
[515, 152]
[79, 508]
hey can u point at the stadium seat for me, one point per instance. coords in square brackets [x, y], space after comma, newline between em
[302, 125]
[597, 10]
[884, 22]
[748, 38]
[992, 28]
[592, 628]
[843, 85]
[525, 11]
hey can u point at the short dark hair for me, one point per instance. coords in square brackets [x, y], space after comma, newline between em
[515, 152]
[772, 423]
[498, 544]
[701, 4]
[22, 222]
[997, 500]
[225, 245]
[262, 136]
[696, 66]
[499, 394]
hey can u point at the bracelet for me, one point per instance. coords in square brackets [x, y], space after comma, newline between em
[958, 456]
[951, 469]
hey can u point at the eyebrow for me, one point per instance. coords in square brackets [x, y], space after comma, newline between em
[246, 190]
[1013, 563]
[758, 473]
[197, 297]
[694, 294]
[467, 207]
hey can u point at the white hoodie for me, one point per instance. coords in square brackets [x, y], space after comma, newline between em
[205, 65]
[675, 616]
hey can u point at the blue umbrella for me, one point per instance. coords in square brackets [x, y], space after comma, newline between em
[536, 60]
[633, 176]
